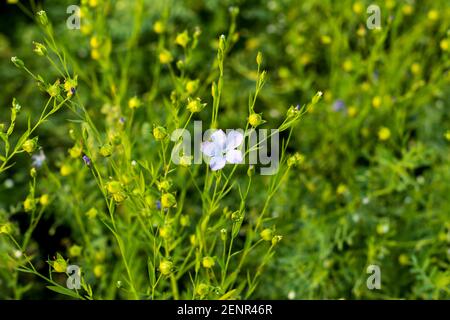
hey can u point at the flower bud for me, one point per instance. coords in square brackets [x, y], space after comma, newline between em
[259, 58]
[195, 105]
[165, 232]
[99, 270]
[185, 221]
[223, 234]
[192, 86]
[182, 39]
[165, 57]
[66, 170]
[166, 267]
[59, 264]
[222, 42]
[255, 120]
[75, 152]
[163, 185]
[75, 251]
[6, 228]
[106, 150]
[168, 200]
[39, 49]
[159, 27]
[267, 234]
[134, 103]
[208, 262]
[30, 145]
[317, 97]
[251, 171]
[160, 133]
[276, 239]
[17, 62]
[42, 17]
[202, 289]
[114, 187]
[185, 161]
[54, 89]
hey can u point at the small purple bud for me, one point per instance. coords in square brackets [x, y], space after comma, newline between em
[73, 90]
[122, 120]
[87, 160]
[338, 105]
[158, 204]
[297, 107]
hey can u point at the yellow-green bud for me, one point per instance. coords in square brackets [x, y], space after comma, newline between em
[17, 62]
[182, 39]
[208, 262]
[163, 185]
[106, 150]
[267, 234]
[134, 103]
[192, 86]
[29, 204]
[42, 17]
[159, 27]
[59, 265]
[75, 151]
[185, 161]
[276, 239]
[92, 213]
[160, 133]
[255, 120]
[54, 89]
[29, 145]
[223, 234]
[165, 267]
[165, 57]
[259, 58]
[165, 232]
[195, 105]
[39, 49]
[185, 221]
[222, 42]
[75, 251]
[168, 200]
[193, 239]
[317, 97]
[44, 200]
[202, 289]
[114, 187]
[6, 228]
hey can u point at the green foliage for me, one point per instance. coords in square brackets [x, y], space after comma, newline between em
[86, 176]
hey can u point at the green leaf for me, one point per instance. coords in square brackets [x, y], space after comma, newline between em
[64, 291]
[22, 140]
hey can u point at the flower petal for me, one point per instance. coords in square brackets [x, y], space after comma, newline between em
[234, 139]
[234, 156]
[217, 163]
[219, 138]
[208, 148]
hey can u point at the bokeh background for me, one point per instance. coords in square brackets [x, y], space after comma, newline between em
[374, 184]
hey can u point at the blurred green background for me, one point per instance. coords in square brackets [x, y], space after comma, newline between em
[374, 186]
